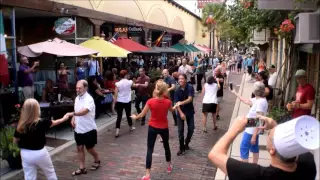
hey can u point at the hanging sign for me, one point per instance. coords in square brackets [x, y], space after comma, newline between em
[135, 29]
[64, 26]
[121, 29]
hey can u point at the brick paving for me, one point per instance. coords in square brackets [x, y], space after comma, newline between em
[124, 158]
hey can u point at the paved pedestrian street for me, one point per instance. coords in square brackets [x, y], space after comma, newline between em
[124, 157]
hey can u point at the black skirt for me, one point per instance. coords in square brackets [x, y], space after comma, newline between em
[209, 108]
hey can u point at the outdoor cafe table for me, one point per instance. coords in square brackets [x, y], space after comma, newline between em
[56, 110]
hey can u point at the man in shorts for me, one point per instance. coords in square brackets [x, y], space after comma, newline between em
[85, 128]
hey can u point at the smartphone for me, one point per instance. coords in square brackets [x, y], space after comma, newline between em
[231, 86]
[253, 122]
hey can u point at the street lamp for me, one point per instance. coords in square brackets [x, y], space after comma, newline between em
[210, 21]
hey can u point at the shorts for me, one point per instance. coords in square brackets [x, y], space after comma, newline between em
[250, 70]
[88, 139]
[219, 99]
[246, 145]
[239, 66]
[209, 108]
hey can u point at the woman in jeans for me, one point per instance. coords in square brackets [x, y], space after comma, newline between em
[158, 124]
[30, 135]
[122, 94]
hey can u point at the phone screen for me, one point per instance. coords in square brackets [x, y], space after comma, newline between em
[253, 122]
[231, 86]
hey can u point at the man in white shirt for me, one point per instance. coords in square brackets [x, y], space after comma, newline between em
[85, 128]
[273, 76]
[185, 69]
[94, 67]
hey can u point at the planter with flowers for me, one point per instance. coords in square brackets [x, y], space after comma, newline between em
[10, 151]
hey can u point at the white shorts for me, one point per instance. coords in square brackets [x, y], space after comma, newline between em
[28, 92]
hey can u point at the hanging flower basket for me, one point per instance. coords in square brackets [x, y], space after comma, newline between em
[285, 29]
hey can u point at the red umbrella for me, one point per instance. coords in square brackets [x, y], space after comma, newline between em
[130, 45]
[4, 71]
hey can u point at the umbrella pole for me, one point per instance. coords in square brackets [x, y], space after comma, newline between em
[101, 66]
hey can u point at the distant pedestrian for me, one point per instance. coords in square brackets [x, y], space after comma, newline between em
[183, 97]
[186, 69]
[85, 128]
[170, 81]
[158, 124]
[239, 64]
[209, 102]
[30, 136]
[219, 79]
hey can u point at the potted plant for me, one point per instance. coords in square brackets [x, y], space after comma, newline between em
[9, 151]
[279, 114]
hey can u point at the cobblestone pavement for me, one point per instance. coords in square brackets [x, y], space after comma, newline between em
[124, 157]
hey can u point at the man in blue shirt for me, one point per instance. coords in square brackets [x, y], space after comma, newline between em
[249, 64]
[169, 80]
[196, 59]
[183, 98]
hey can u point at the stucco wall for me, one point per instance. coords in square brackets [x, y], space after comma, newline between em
[158, 12]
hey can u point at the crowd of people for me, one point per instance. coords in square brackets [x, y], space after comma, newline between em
[171, 91]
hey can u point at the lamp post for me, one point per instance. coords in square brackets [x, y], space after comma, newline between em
[210, 21]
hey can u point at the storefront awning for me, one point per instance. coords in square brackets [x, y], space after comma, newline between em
[130, 45]
[193, 48]
[105, 48]
[165, 50]
[181, 47]
[202, 49]
[55, 47]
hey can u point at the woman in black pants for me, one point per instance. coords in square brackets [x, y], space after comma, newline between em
[158, 124]
[122, 94]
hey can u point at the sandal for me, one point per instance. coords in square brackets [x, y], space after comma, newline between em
[79, 172]
[215, 128]
[95, 166]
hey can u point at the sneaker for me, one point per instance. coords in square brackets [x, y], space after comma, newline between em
[145, 178]
[169, 169]
[132, 128]
[180, 152]
[186, 146]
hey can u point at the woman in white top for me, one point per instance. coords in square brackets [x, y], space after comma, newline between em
[258, 106]
[123, 97]
[209, 102]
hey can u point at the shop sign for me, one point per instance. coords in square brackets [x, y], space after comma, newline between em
[135, 29]
[65, 26]
[121, 29]
[167, 37]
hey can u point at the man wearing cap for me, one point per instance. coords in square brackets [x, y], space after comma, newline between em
[273, 76]
[305, 96]
[290, 160]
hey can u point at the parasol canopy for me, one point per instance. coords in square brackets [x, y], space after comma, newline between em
[181, 47]
[201, 48]
[165, 50]
[130, 45]
[55, 47]
[105, 48]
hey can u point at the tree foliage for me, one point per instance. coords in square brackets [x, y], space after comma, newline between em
[238, 21]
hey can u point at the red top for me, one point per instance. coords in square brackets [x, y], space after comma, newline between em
[159, 110]
[110, 84]
[303, 94]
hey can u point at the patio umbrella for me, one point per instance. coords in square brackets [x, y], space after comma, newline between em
[56, 47]
[105, 48]
[130, 45]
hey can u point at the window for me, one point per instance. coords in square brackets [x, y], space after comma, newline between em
[84, 28]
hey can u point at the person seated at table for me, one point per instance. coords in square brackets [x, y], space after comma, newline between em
[63, 73]
[48, 94]
[109, 84]
[98, 95]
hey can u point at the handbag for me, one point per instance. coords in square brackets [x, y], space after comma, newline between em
[107, 99]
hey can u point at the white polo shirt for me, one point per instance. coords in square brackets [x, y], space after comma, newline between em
[87, 122]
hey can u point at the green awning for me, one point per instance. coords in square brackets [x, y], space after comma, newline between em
[193, 48]
[181, 47]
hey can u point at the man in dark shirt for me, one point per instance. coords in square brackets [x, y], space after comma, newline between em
[171, 87]
[301, 168]
[26, 78]
[142, 94]
[183, 97]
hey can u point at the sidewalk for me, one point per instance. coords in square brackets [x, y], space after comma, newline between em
[241, 109]
[124, 157]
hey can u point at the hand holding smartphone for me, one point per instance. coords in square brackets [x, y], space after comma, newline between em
[253, 122]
